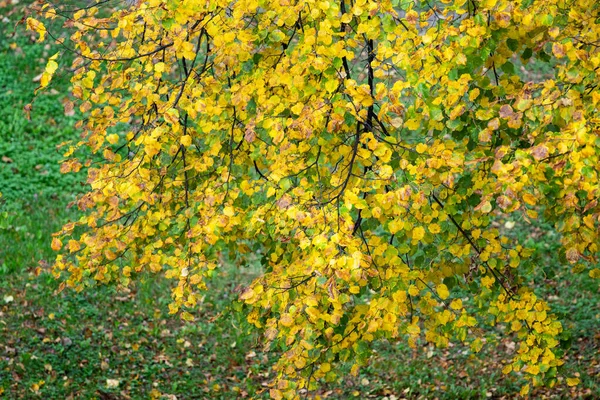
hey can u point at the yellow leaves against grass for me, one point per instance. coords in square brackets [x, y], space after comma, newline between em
[38, 27]
[368, 166]
[51, 67]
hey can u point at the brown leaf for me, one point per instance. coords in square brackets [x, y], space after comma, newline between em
[69, 108]
[590, 205]
[572, 255]
[284, 202]
[506, 111]
[494, 124]
[503, 202]
[87, 332]
[85, 107]
[559, 50]
[7, 160]
[539, 152]
[27, 109]
[250, 134]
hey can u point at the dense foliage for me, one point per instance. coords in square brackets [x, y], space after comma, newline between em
[366, 150]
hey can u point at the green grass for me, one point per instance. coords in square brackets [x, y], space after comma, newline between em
[67, 344]
[119, 343]
[34, 192]
[29, 164]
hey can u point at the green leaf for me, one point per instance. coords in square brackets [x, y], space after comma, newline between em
[512, 44]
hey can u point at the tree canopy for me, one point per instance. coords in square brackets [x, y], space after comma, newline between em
[368, 151]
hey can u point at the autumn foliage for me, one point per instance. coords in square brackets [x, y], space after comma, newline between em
[367, 150]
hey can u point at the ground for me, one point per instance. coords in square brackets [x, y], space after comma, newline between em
[120, 343]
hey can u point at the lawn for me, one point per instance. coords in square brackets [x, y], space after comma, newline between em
[120, 343]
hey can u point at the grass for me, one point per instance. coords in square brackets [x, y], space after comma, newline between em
[120, 343]
[29, 164]
[111, 343]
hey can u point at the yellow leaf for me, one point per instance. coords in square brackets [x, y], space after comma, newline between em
[516, 326]
[434, 228]
[418, 233]
[229, 211]
[529, 199]
[186, 140]
[46, 78]
[247, 294]
[56, 244]
[385, 171]
[533, 369]
[35, 25]
[172, 116]
[413, 124]
[485, 207]
[558, 50]
[413, 329]
[51, 67]
[487, 281]
[186, 316]
[112, 138]
[413, 290]
[442, 291]
[485, 136]
[532, 214]
[286, 320]
[573, 381]
[456, 304]
[331, 85]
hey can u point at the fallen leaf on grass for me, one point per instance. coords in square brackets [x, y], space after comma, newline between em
[112, 383]
[27, 110]
[573, 381]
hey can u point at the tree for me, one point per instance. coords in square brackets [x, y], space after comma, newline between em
[366, 148]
